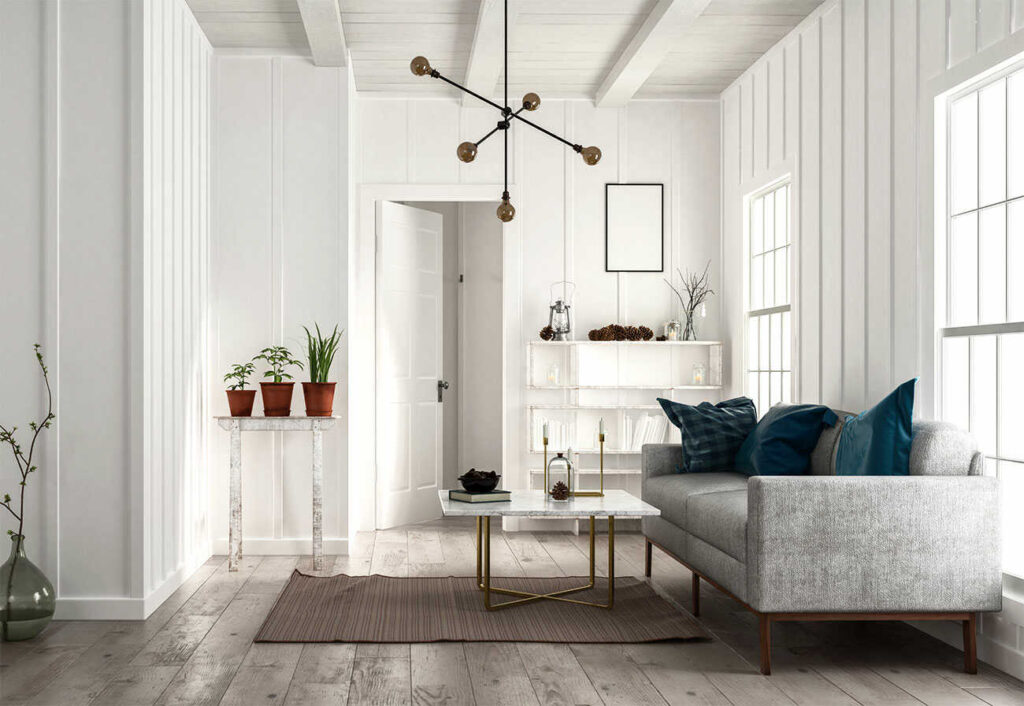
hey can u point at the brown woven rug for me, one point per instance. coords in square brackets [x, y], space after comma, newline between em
[393, 609]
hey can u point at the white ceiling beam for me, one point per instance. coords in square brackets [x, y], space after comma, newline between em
[647, 50]
[487, 57]
[322, 21]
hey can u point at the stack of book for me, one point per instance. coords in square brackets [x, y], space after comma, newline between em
[489, 496]
[645, 429]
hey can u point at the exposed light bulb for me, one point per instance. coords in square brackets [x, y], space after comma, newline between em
[591, 155]
[531, 101]
[420, 66]
[467, 152]
[506, 211]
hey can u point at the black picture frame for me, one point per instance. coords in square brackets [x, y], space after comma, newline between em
[661, 218]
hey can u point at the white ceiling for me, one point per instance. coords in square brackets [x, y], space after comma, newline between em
[558, 48]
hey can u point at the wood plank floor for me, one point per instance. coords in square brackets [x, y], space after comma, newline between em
[197, 647]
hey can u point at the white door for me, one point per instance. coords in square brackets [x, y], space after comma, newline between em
[409, 359]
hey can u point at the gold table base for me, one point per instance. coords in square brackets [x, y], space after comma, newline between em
[483, 572]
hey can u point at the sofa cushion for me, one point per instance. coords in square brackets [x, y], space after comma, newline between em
[720, 519]
[711, 434]
[781, 443]
[673, 493]
[877, 442]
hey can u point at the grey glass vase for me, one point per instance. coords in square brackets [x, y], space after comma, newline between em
[27, 600]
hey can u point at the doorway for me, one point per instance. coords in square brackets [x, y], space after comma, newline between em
[439, 342]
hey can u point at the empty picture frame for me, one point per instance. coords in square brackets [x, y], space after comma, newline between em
[634, 235]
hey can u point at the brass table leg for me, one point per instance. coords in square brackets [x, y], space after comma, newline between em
[483, 556]
[479, 557]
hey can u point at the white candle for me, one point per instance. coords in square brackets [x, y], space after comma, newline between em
[545, 430]
[600, 425]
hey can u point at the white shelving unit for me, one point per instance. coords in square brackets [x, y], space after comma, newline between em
[573, 384]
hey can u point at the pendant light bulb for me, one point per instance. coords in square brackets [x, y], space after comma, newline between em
[420, 66]
[531, 101]
[591, 155]
[467, 152]
[506, 211]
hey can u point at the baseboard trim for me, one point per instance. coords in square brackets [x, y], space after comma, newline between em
[125, 608]
[278, 546]
[996, 654]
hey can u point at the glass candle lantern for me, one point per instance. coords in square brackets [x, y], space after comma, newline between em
[673, 330]
[700, 374]
[558, 478]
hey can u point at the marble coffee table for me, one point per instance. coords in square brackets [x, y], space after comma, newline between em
[536, 503]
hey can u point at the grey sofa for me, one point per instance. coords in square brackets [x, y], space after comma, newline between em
[826, 547]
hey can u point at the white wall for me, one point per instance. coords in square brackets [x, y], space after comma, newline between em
[110, 515]
[558, 232]
[278, 262]
[844, 104]
[174, 536]
[478, 384]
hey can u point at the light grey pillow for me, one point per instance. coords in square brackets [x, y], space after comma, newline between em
[823, 457]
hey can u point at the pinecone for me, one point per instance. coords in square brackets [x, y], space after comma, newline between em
[595, 334]
[560, 491]
[632, 333]
[646, 333]
[618, 332]
[547, 333]
[661, 338]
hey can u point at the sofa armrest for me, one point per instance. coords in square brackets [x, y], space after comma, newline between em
[660, 459]
[873, 544]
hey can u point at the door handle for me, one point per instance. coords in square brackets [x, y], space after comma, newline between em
[442, 385]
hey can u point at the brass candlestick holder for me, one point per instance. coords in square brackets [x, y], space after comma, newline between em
[595, 493]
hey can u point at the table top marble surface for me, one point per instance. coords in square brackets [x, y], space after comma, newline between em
[535, 503]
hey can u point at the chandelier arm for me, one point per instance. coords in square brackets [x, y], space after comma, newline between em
[564, 141]
[481, 140]
[437, 74]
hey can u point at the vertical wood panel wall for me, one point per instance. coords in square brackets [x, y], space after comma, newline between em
[278, 262]
[843, 104]
[835, 105]
[175, 238]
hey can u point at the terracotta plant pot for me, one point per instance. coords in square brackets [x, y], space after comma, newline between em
[277, 398]
[319, 398]
[240, 402]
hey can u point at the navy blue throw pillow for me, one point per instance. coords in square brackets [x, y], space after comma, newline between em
[711, 433]
[781, 443]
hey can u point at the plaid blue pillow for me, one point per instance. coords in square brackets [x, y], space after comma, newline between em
[711, 433]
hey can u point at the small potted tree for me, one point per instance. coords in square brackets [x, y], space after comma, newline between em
[277, 395]
[239, 399]
[318, 392]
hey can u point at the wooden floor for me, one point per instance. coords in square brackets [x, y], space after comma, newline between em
[197, 647]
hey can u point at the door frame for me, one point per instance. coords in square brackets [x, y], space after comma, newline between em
[362, 319]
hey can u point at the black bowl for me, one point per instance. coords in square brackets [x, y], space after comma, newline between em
[478, 484]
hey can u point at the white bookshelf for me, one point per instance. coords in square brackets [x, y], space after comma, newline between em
[574, 384]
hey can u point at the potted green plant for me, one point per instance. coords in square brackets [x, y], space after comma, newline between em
[318, 392]
[27, 599]
[277, 395]
[239, 399]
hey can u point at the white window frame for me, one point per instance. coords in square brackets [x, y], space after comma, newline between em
[787, 392]
[945, 330]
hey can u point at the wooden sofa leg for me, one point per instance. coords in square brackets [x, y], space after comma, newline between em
[647, 557]
[766, 643]
[695, 590]
[971, 644]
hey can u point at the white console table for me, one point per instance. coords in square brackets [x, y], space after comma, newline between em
[236, 425]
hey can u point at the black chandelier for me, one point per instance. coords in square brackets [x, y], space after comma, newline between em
[531, 101]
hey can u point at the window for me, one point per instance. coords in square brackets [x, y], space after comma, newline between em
[981, 312]
[769, 360]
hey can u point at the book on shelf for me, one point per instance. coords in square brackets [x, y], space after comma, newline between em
[645, 429]
[489, 496]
